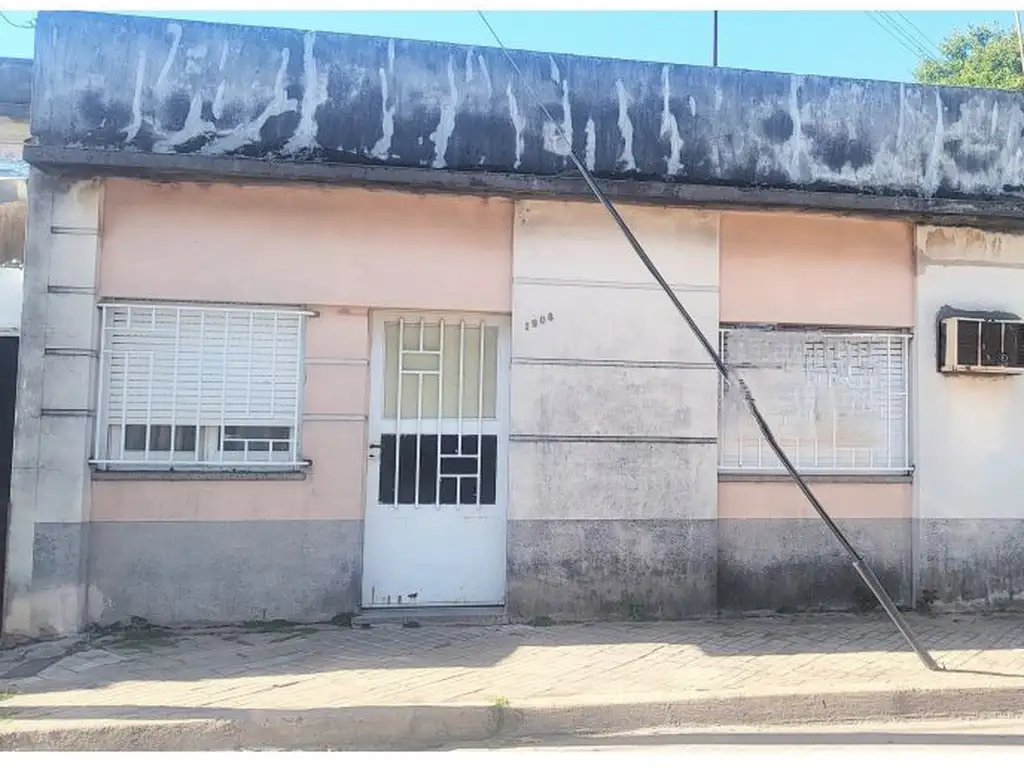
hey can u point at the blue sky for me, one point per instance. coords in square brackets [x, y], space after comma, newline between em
[845, 44]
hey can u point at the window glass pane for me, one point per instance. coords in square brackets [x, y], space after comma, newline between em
[452, 363]
[471, 373]
[420, 361]
[430, 396]
[410, 395]
[390, 369]
[432, 336]
[185, 438]
[135, 437]
[490, 372]
[411, 336]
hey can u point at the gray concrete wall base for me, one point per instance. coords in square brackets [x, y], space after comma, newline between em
[797, 565]
[611, 569]
[971, 564]
[201, 572]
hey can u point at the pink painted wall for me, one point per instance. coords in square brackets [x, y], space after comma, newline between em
[336, 251]
[306, 245]
[828, 270]
[818, 270]
[746, 500]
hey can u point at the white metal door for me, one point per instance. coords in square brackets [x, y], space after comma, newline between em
[436, 491]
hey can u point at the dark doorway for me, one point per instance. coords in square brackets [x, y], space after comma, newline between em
[8, 394]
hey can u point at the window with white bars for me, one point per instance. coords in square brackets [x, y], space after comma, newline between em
[838, 402]
[199, 387]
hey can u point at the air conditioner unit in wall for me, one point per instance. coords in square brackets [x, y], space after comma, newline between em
[981, 345]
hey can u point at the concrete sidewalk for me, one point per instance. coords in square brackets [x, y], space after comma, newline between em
[287, 687]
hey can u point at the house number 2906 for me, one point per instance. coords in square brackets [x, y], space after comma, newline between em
[548, 318]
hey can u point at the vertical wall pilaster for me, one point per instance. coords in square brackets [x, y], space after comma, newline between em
[46, 549]
[613, 455]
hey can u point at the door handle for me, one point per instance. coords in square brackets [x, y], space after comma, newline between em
[374, 451]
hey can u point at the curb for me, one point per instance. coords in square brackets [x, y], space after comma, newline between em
[418, 727]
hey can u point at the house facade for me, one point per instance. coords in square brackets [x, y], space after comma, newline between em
[319, 324]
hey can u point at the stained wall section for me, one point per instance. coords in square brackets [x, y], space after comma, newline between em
[816, 272]
[970, 522]
[612, 459]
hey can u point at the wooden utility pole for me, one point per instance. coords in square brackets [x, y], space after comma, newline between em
[714, 40]
[1020, 40]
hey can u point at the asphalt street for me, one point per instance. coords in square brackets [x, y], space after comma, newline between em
[1001, 741]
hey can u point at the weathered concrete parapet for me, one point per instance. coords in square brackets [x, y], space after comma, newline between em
[207, 90]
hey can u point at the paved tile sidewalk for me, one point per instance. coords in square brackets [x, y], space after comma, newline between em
[228, 673]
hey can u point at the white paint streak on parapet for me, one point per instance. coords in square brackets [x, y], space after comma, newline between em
[625, 128]
[175, 32]
[194, 58]
[931, 177]
[794, 141]
[382, 149]
[486, 74]
[670, 126]
[446, 125]
[518, 123]
[250, 132]
[314, 93]
[218, 98]
[555, 141]
[194, 125]
[590, 157]
[140, 75]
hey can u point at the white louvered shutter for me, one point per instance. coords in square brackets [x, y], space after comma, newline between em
[201, 367]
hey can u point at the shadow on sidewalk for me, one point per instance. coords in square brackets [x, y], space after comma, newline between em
[231, 653]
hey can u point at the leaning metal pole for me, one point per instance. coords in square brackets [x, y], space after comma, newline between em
[731, 380]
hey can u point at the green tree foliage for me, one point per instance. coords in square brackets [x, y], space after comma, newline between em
[985, 56]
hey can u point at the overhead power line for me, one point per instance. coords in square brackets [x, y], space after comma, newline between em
[900, 35]
[29, 25]
[921, 35]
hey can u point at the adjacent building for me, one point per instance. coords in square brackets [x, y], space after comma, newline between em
[317, 324]
[15, 95]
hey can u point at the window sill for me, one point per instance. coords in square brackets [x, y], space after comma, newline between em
[880, 477]
[197, 475]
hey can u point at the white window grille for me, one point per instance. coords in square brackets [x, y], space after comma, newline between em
[200, 387]
[838, 402]
[440, 419]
